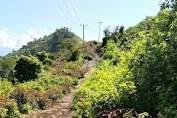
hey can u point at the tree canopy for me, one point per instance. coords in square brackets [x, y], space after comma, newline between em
[27, 68]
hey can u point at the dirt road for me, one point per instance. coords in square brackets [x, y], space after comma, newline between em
[63, 108]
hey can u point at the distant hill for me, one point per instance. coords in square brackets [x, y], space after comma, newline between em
[48, 43]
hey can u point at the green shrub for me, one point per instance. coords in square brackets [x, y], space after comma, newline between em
[42, 103]
[143, 115]
[45, 58]
[101, 92]
[74, 81]
[47, 62]
[52, 56]
[75, 53]
[33, 85]
[142, 70]
[20, 95]
[24, 108]
[42, 56]
[27, 68]
[55, 93]
[33, 95]
[6, 68]
[12, 110]
[95, 42]
[8, 108]
[88, 57]
[5, 87]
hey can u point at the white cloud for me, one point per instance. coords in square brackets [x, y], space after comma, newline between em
[25, 38]
[16, 42]
[3, 33]
[33, 34]
[4, 39]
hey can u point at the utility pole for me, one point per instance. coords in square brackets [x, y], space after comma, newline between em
[83, 39]
[99, 30]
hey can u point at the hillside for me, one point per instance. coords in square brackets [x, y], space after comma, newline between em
[38, 75]
[136, 75]
[63, 108]
[49, 43]
[132, 73]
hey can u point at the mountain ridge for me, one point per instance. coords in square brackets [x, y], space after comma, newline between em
[48, 43]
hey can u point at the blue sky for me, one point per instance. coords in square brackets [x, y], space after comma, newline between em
[23, 20]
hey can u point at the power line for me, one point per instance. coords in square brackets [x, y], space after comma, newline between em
[92, 28]
[74, 10]
[64, 12]
[68, 10]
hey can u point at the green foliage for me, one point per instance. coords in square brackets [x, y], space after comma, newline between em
[111, 51]
[169, 4]
[41, 86]
[5, 87]
[41, 56]
[8, 108]
[20, 95]
[46, 82]
[55, 93]
[27, 68]
[25, 108]
[71, 50]
[116, 35]
[41, 93]
[6, 67]
[48, 43]
[142, 70]
[47, 61]
[75, 55]
[12, 110]
[74, 69]
[153, 65]
[42, 103]
[103, 91]
[88, 57]
[66, 45]
[143, 115]
[45, 58]
[74, 81]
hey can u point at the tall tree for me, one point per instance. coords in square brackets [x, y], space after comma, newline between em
[170, 4]
[6, 67]
[27, 68]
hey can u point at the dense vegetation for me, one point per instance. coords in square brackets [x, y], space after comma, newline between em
[135, 76]
[137, 72]
[33, 81]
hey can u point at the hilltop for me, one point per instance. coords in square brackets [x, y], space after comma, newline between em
[49, 44]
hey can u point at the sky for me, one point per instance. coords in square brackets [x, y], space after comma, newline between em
[23, 20]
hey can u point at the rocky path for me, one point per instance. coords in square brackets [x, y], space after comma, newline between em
[63, 108]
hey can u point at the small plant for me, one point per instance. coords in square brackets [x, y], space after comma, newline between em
[42, 103]
[88, 57]
[25, 108]
[47, 62]
[20, 95]
[8, 107]
[74, 81]
[55, 93]
[43, 100]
